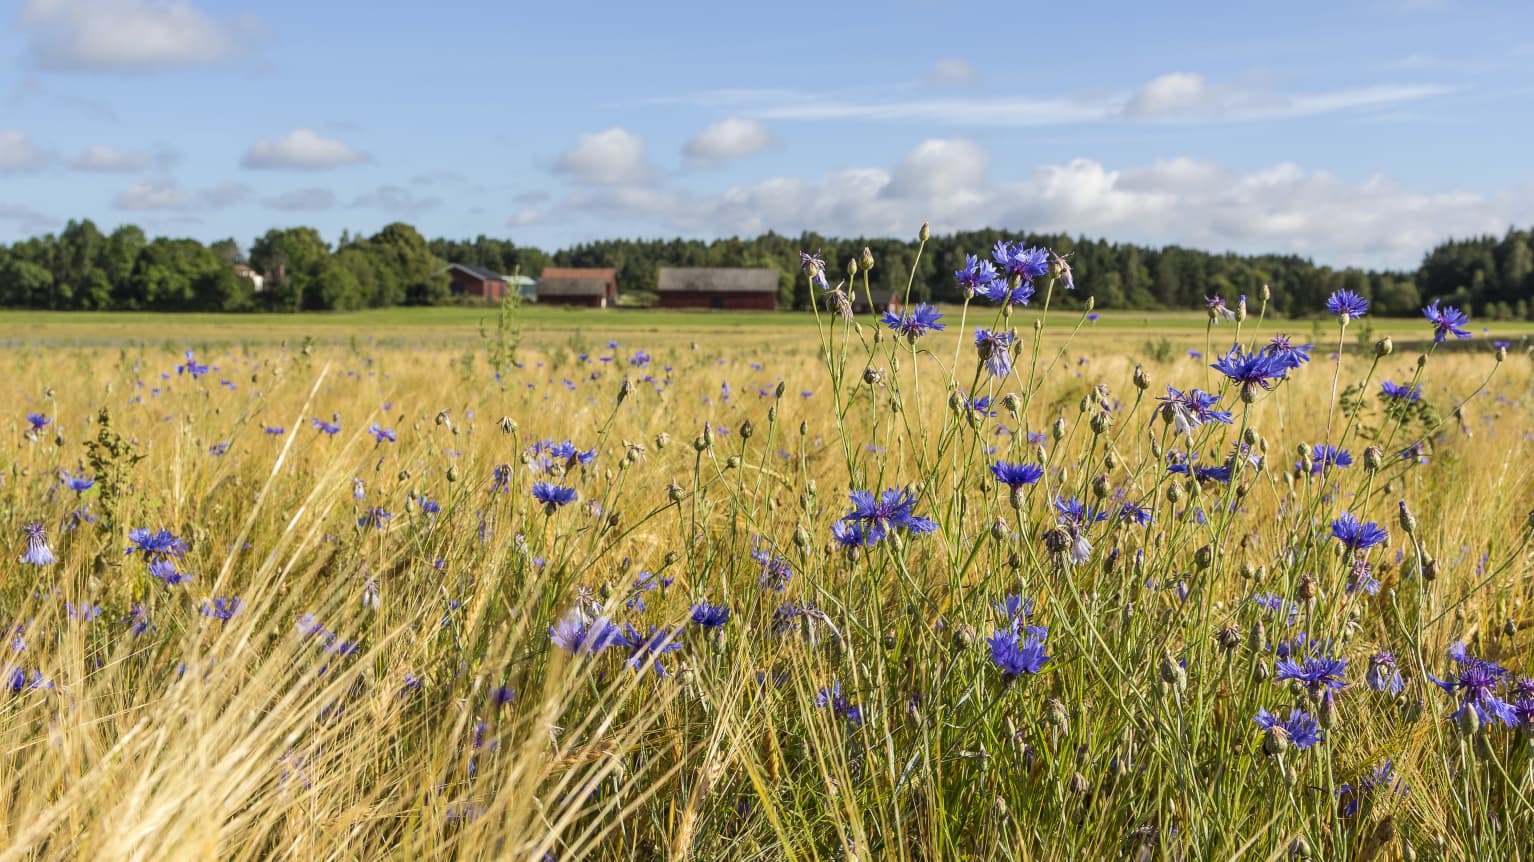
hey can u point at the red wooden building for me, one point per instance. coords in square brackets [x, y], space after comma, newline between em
[475, 281]
[596, 288]
[731, 289]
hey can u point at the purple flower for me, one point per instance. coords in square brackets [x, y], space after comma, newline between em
[1186, 411]
[39, 421]
[1251, 370]
[381, 434]
[709, 616]
[579, 635]
[221, 607]
[1324, 456]
[1383, 675]
[155, 546]
[191, 366]
[38, 553]
[915, 323]
[649, 650]
[815, 267]
[1001, 291]
[1478, 684]
[1217, 309]
[894, 509]
[78, 484]
[165, 571]
[840, 706]
[1014, 655]
[1300, 728]
[1352, 797]
[976, 274]
[1446, 321]
[329, 429]
[1020, 262]
[1397, 392]
[376, 517]
[553, 496]
[1358, 535]
[1016, 475]
[1290, 354]
[994, 349]
[1315, 671]
[1347, 304]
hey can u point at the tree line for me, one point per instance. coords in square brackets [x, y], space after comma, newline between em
[83, 268]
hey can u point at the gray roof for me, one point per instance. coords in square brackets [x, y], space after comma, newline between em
[566, 286]
[717, 280]
[479, 272]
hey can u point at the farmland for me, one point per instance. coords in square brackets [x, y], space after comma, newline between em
[643, 584]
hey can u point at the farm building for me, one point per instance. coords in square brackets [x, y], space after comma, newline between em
[597, 288]
[256, 279]
[525, 287]
[477, 281]
[882, 301]
[718, 287]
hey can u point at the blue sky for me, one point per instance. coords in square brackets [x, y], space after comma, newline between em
[1352, 132]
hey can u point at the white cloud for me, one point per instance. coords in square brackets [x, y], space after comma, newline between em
[1179, 96]
[302, 149]
[1284, 208]
[129, 34]
[103, 159]
[18, 152]
[524, 217]
[951, 71]
[612, 157]
[155, 194]
[225, 194]
[734, 138]
[302, 200]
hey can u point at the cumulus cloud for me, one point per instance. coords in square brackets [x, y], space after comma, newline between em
[734, 138]
[89, 35]
[152, 195]
[1284, 208]
[103, 159]
[302, 200]
[615, 156]
[951, 71]
[18, 152]
[303, 150]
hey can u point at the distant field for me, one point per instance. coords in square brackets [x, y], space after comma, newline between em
[446, 325]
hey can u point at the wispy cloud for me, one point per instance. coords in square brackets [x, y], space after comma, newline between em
[1174, 97]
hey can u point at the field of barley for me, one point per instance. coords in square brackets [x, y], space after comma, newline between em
[979, 582]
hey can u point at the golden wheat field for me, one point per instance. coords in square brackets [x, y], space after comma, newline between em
[619, 594]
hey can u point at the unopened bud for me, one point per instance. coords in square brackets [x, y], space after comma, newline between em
[1307, 588]
[674, 492]
[1101, 422]
[925, 233]
[1501, 353]
[1012, 403]
[746, 430]
[868, 259]
[1373, 458]
[1265, 294]
[1430, 570]
[452, 473]
[1057, 431]
[1101, 488]
[852, 267]
[802, 537]
[1408, 520]
[1142, 381]
[1384, 347]
[732, 462]
[1204, 556]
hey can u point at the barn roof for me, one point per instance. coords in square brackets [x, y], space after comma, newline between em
[566, 281]
[717, 280]
[478, 272]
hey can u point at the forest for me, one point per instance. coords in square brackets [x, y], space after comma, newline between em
[84, 268]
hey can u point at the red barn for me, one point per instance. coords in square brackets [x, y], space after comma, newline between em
[732, 289]
[475, 281]
[595, 288]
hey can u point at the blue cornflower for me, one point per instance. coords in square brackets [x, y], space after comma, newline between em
[894, 509]
[1347, 305]
[851, 535]
[1352, 797]
[1275, 603]
[502, 695]
[192, 366]
[1217, 309]
[1000, 291]
[976, 274]
[1188, 410]
[1202, 474]
[221, 607]
[1290, 354]
[840, 706]
[218, 449]
[1324, 456]
[1358, 535]
[1361, 577]
[86, 612]
[165, 570]
[649, 650]
[1016, 475]
[640, 359]
[1300, 729]
[138, 620]
[776, 571]
[1136, 513]
[553, 496]
[78, 484]
[1020, 262]
[1014, 655]
[375, 516]
[580, 635]
[982, 405]
[995, 351]
[38, 421]
[815, 267]
[1479, 685]
[915, 323]
[38, 553]
[1383, 675]
[329, 429]
[1446, 321]
[1397, 392]
[710, 616]
[276, 430]
[500, 479]
[16, 680]
[155, 546]
[381, 434]
[1251, 370]
[1315, 670]
[1074, 512]
[1015, 607]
